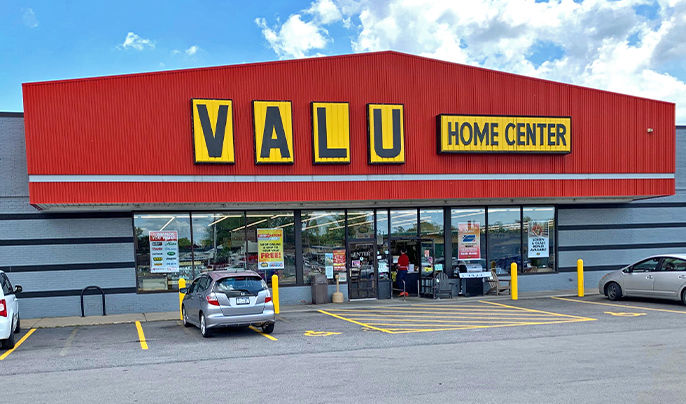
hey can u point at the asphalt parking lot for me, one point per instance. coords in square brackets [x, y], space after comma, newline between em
[403, 326]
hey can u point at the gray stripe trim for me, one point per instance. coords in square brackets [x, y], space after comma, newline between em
[345, 178]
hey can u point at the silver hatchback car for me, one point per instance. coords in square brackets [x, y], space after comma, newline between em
[661, 276]
[228, 299]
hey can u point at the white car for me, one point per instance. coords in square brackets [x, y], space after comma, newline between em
[9, 312]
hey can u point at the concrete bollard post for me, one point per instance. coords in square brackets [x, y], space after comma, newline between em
[182, 284]
[513, 281]
[580, 276]
[275, 293]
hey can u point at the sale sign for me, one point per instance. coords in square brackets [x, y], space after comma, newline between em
[539, 236]
[270, 248]
[164, 251]
[469, 243]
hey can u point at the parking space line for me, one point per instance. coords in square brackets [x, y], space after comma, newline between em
[67, 343]
[21, 341]
[263, 334]
[141, 336]
[619, 305]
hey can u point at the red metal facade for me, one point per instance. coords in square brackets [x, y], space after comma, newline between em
[141, 125]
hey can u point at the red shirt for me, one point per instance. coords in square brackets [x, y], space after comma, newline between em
[403, 262]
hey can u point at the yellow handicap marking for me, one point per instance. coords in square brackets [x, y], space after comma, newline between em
[310, 333]
[427, 318]
[625, 314]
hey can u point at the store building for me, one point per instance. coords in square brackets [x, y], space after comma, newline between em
[328, 166]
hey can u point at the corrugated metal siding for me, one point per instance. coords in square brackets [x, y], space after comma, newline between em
[140, 124]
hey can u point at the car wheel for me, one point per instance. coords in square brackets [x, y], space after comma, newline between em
[268, 329]
[683, 296]
[203, 326]
[9, 342]
[614, 291]
[184, 317]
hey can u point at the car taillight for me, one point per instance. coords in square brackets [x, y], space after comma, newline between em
[267, 299]
[3, 308]
[212, 299]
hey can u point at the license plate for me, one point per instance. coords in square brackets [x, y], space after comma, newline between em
[242, 300]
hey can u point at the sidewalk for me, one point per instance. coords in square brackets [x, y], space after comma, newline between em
[53, 322]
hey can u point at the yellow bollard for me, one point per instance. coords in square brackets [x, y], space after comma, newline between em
[513, 281]
[580, 276]
[275, 293]
[182, 284]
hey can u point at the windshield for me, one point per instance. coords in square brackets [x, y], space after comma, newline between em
[250, 284]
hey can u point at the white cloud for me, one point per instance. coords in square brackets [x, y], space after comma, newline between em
[29, 18]
[602, 44]
[133, 41]
[192, 50]
[295, 38]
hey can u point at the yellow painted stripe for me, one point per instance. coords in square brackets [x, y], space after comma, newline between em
[448, 322]
[449, 317]
[620, 305]
[141, 336]
[541, 311]
[352, 321]
[263, 334]
[459, 312]
[21, 341]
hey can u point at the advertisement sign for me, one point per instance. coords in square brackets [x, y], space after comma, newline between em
[164, 251]
[328, 265]
[339, 260]
[504, 134]
[270, 249]
[538, 239]
[469, 243]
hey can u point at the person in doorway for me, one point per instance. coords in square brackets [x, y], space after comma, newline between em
[403, 266]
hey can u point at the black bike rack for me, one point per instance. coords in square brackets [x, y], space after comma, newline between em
[102, 292]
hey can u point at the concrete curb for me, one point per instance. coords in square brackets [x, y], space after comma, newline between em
[57, 322]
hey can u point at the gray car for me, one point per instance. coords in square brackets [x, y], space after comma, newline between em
[228, 299]
[661, 276]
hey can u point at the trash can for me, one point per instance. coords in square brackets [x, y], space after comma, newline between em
[320, 289]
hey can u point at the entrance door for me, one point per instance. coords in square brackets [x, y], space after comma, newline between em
[426, 271]
[362, 270]
[411, 248]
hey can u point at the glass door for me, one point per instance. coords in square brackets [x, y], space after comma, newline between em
[362, 270]
[426, 270]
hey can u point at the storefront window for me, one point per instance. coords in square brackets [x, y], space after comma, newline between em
[163, 251]
[431, 231]
[323, 243]
[360, 224]
[404, 223]
[271, 245]
[468, 235]
[538, 244]
[219, 241]
[504, 238]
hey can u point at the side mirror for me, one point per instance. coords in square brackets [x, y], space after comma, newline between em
[183, 290]
[17, 289]
[627, 270]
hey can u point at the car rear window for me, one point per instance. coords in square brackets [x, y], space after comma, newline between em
[250, 284]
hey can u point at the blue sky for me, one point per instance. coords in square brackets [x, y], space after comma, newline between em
[632, 46]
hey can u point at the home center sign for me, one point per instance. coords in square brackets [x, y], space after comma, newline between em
[213, 133]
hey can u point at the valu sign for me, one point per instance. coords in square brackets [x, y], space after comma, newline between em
[213, 133]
